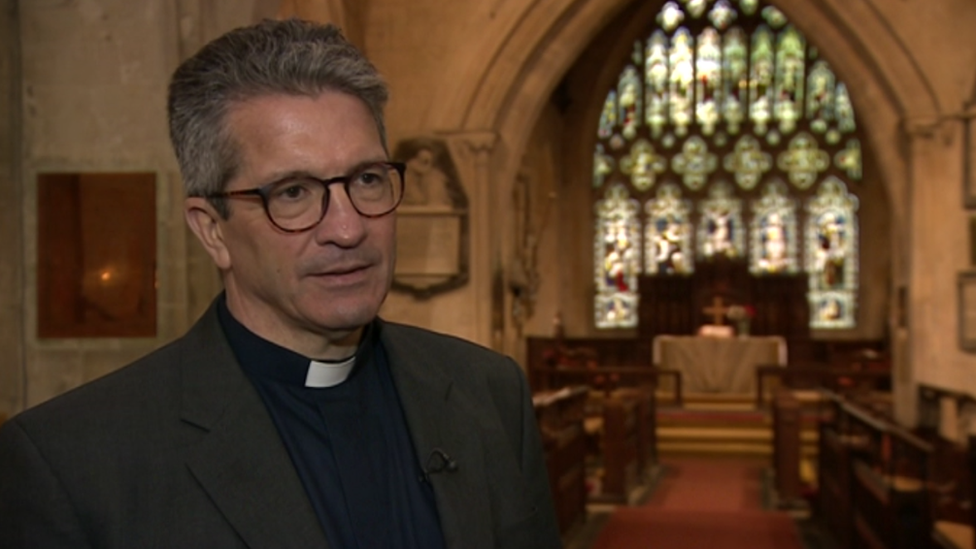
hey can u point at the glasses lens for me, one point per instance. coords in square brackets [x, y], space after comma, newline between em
[296, 204]
[375, 190]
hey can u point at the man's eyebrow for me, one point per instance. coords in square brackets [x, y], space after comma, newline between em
[277, 177]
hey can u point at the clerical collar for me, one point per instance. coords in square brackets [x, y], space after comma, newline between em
[327, 373]
[262, 358]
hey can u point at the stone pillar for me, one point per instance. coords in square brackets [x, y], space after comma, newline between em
[472, 152]
[923, 236]
[12, 316]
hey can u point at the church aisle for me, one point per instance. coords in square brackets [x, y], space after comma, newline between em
[702, 503]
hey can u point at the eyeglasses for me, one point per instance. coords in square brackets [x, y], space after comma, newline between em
[297, 204]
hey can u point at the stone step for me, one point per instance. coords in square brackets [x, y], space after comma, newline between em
[715, 422]
[717, 431]
[725, 448]
[713, 449]
[719, 434]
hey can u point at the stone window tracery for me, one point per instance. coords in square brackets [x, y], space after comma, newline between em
[726, 133]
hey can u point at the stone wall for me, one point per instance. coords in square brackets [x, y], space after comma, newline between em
[481, 75]
[11, 221]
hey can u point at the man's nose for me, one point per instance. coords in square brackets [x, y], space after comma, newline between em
[342, 224]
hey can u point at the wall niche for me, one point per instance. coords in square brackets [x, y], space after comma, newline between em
[96, 262]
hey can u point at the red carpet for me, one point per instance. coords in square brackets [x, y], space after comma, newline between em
[702, 504]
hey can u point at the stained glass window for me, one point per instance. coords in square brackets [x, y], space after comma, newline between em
[774, 231]
[671, 16]
[708, 80]
[608, 118]
[643, 164]
[820, 96]
[790, 69]
[849, 159]
[629, 101]
[682, 76]
[735, 66]
[726, 133]
[722, 15]
[668, 233]
[656, 75]
[774, 17]
[602, 166]
[832, 255]
[696, 7]
[761, 79]
[617, 258]
[720, 230]
[803, 161]
[748, 162]
[695, 162]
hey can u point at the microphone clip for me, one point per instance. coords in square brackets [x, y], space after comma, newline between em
[438, 461]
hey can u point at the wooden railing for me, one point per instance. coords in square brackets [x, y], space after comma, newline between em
[873, 479]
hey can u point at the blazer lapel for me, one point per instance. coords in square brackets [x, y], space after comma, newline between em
[439, 417]
[241, 462]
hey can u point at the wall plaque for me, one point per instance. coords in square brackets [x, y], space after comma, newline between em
[432, 221]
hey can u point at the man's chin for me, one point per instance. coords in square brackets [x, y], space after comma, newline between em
[346, 318]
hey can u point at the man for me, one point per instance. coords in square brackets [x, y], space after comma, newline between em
[289, 416]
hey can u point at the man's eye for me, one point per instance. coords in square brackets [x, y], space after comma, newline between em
[293, 190]
[370, 177]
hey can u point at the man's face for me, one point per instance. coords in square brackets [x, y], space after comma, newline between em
[329, 281]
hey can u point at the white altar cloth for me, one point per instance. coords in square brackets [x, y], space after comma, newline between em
[718, 365]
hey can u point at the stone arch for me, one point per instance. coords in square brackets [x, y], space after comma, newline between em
[887, 85]
[344, 13]
[507, 93]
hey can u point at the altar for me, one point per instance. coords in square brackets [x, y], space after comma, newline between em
[716, 364]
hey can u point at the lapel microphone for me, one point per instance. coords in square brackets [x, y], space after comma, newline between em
[438, 461]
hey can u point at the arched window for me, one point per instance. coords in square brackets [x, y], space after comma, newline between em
[726, 133]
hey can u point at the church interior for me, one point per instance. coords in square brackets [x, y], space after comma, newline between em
[711, 231]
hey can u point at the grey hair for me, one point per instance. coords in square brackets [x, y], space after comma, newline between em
[290, 57]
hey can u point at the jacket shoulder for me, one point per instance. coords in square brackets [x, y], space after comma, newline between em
[442, 347]
[138, 384]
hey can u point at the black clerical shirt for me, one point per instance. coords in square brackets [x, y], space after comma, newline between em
[349, 443]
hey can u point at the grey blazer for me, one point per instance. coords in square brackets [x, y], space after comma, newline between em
[177, 451]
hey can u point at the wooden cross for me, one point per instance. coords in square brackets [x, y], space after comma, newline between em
[716, 311]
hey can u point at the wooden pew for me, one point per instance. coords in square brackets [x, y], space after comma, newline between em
[952, 484]
[560, 416]
[874, 475]
[786, 447]
[841, 380]
[834, 451]
[951, 495]
[622, 425]
[647, 454]
[618, 453]
[611, 378]
[558, 362]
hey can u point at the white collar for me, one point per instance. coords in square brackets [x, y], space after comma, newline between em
[328, 374]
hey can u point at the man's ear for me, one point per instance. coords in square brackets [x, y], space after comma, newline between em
[204, 221]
